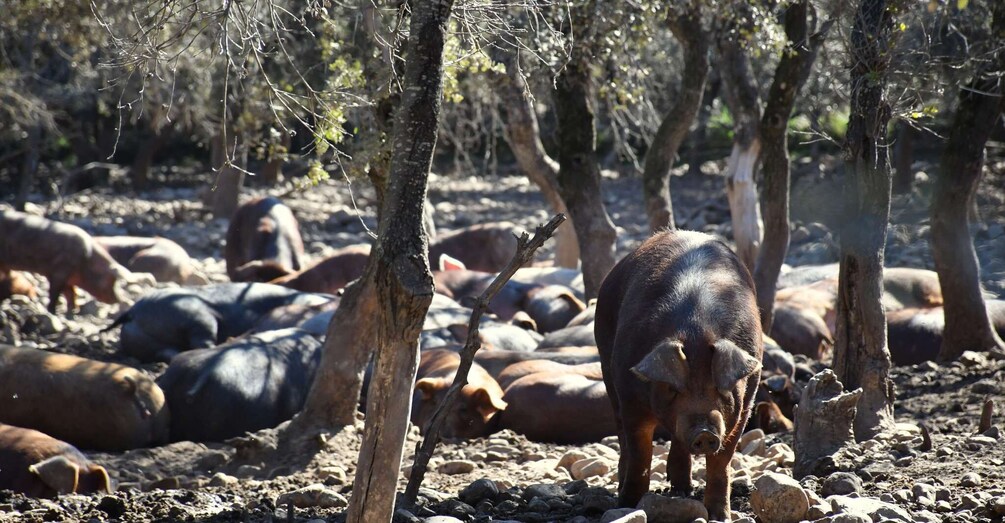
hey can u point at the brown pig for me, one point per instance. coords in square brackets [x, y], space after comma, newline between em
[13, 282]
[161, 257]
[769, 418]
[484, 247]
[66, 255]
[90, 404]
[558, 407]
[263, 231]
[38, 465]
[526, 368]
[801, 331]
[331, 274]
[479, 402]
[680, 345]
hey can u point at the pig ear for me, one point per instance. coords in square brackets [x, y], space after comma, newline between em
[524, 321]
[572, 300]
[429, 387]
[449, 263]
[58, 473]
[486, 403]
[665, 364]
[730, 364]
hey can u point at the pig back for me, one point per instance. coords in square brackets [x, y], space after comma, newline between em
[47, 247]
[91, 404]
[246, 384]
[263, 229]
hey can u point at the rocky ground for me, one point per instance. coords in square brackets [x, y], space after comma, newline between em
[898, 477]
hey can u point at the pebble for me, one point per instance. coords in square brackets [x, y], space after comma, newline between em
[538, 505]
[923, 490]
[971, 479]
[779, 499]
[571, 457]
[623, 515]
[457, 466]
[587, 468]
[596, 499]
[221, 480]
[943, 506]
[752, 443]
[672, 510]
[943, 494]
[841, 483]
[479, 490]
[315, 495]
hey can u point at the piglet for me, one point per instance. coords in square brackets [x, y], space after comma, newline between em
[680, 345]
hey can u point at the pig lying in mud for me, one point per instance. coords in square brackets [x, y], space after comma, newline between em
[91, 404]
[168, 321]
[160, 257]
[680, 346]
[66, 255]
[484, 247]
[331, 274]
[38, 465]
[479, 402]
[241, 386]
[263, 231]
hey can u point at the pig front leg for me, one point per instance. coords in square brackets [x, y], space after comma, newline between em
[679, 468]
[59, 285]
[717, 484]
[636, 460]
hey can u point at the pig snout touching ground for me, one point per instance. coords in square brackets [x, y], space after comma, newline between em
[263, 230]
[66, 255]
[559, 407]
[39, 465]
[161, 257]
[484, 247]
[168, 321]
[13, 282]
[244, 385]
[331, 274]
[91, 404]
[680, 345]
[476, 407]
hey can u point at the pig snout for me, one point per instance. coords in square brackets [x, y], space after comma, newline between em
[703, 434]
[705, 442]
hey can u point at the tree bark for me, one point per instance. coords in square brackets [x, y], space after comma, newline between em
[903, 152]
[823, 425]
[687, 28]
[523, 135]
[579, 174]
[272, 172]
[861, 357]
[968, 326]
[29, 166]
[741, 96]
[229, 180]
[696, 144]
[387, 306]
[793, 69]
[145, 157]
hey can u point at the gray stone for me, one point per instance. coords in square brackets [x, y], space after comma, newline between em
[623, 515]
[779, 499]
[672, 510]
[458, 466]
[315, 495]
[544, 491]
[596, 499]
[479, 490]
[870, 508]
[841, 483]
[538, 505]
[923, 490]
[221, 480]
[442, 519]
[971, 479]
[458, 508]
[998, 505]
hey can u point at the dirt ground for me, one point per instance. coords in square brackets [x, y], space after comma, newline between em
[222, 482]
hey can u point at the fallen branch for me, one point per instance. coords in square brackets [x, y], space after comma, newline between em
[424, 450]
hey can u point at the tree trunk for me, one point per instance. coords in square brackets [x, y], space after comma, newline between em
[145, 158]
[696, 145]
[272, 173]
[687, 28]
[823, 425]
[229, 180]
[523, 135]
[861, 357]
[29, 166]
[793, 69]
[903, 152]
[981, 102]
[579, 174]
[389, 303]
[740, 95]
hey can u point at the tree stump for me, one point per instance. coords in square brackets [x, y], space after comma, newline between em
[824, 418]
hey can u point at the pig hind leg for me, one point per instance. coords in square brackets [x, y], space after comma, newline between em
[636, 459]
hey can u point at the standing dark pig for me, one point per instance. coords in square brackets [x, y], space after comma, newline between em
[161, 257]
[168, 321]
[680, 345]
[63, 253]
[241, 386]
[264, 234]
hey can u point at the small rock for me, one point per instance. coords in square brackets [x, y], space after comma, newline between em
[944, 451]
[781, 454]
[841, 483]
[457, 466]
[403, 516]
[902, 496]
[779, 499]
[596, 499]
[113, 506]
[221, 480]
[943, 506]
[672, 510]
[943, 494]
[969, 502]
[971, 479]
[846, 518]
[869, 508]
[315, 495]
[442, 519]
[986, 386]
[169, 483]
[590, 467]
[457, 508]
[575, 487]
[993, 432]
[479, 490]
[571, 457]
[752, 443]
[998, 505]
[972, 359]
[544, 491]
[623, 515]
[923, 490]
[538, 505]
[211, 460]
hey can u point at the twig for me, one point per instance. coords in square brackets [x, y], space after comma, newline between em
[926, 438]
[424, 450]
[986, 413]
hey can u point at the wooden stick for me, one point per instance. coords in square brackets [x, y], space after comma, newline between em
[424, 450]
[986, 413]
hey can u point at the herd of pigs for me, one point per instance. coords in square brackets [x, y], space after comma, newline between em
[674, 336]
